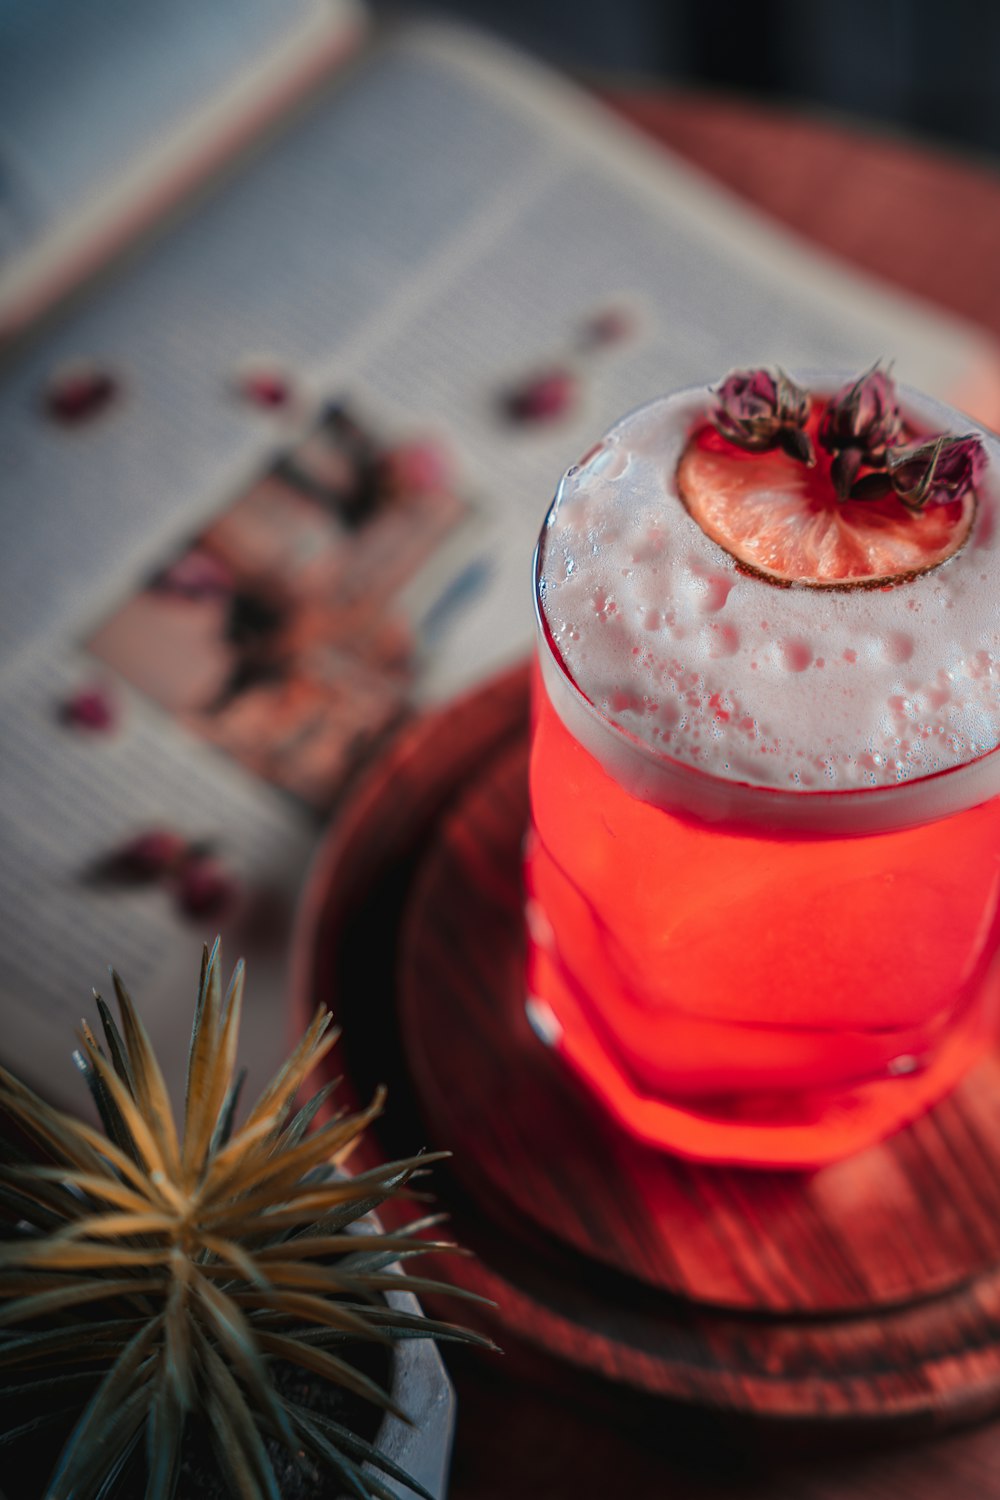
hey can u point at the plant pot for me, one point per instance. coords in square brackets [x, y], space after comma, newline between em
[420, 1385]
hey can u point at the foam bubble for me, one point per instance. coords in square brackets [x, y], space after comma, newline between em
[643, 607]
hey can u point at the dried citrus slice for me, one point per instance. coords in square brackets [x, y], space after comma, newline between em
[783, 520]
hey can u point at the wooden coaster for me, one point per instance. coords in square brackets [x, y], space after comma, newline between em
[868, 1290]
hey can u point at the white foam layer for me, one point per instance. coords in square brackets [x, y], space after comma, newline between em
[703, 687]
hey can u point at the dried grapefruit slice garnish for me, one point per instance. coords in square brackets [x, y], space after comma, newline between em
[783, 521]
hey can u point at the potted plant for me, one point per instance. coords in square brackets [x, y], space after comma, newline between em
[210, 1308]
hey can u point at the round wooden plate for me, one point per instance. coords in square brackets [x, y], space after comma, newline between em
[869, 1290]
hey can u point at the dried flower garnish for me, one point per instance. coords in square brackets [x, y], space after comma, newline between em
[937, 472]
[860, 424]
[759, 411]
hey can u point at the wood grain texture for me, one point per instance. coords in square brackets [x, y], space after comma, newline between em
[867, 1291]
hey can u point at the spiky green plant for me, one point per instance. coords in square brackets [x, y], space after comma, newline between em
[152, 1276]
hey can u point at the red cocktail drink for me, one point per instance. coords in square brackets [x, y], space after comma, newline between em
[764, 869]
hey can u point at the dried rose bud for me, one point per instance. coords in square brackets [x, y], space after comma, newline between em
[205, 887]
[937, 472]
[146, 857]
[612, 325]
[78, 391]
[759, 411]
[263, 385]
[543, 397]
[90, 708]
[860, 423]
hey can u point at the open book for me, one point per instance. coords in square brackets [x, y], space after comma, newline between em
[327, 408]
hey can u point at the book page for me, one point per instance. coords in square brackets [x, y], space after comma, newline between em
[455, 271]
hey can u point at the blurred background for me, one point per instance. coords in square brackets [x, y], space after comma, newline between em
[914, 64]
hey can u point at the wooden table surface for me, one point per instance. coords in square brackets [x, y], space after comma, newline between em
[929, 221]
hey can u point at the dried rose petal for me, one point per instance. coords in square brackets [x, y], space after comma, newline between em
[146, 857]
[414, 468]
[205, 887]
[78, 391]
[937, 472]
[612, 325]
[265, 386]
[860, 423]
[91, 708]
[544, 397]
[759, 411]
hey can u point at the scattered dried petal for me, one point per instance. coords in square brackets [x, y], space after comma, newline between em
[612, 325]
[544, 397]
[90, 708]
[265, 386]
[78, 391]
[146, 857]
[937, 472]
[205, 887]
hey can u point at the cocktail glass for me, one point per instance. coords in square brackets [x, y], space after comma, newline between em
[779, 970]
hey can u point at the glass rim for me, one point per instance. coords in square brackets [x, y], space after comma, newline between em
[704, 794]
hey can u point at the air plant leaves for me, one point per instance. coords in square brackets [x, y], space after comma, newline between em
[164, 1274]
[203, 1034]
[59, 1134]
[164, 1442]
[74, 1294]
[116, 1046]
[227, 1115]
[125, 1383]
[148, 1139]
[237, 1341]
[311, 1422]
[110, 1117]
[150, 1087]
[285, 1171]
[213, 1064]
[64, 1341]
[276, 1099]
[178, 1364]
[34, 1425]
[91, 1185]
[240, 1446]
[316, 1442]
[92, 1463]
[298, 1304]
[330, 1367]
